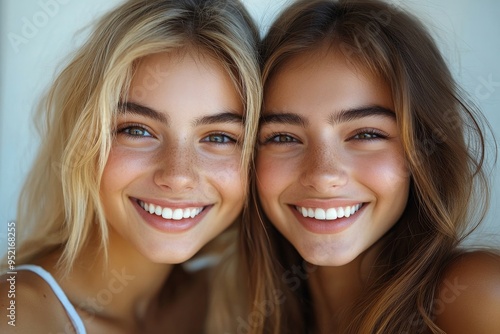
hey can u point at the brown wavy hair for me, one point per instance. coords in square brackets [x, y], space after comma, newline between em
[443, 140]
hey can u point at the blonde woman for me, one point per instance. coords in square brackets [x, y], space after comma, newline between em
[369, 176]
[148, 136]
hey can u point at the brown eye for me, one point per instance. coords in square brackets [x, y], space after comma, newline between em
[369, 134]
[219, 138]
[282, 139]
[366, 136]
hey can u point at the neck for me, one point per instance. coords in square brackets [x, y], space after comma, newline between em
[120, 289]
[335, 289]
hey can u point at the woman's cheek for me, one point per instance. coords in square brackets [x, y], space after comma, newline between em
[273, 175]
[226, 174]
[383, 173]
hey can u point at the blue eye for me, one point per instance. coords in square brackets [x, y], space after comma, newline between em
[219, 138]
[135, 131]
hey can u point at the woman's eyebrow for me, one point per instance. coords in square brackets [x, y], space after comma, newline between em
[343, 116]
[348, 115]
[223, 117]
[283, 118]
[138, 109]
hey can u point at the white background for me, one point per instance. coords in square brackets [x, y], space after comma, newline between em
[37, 36]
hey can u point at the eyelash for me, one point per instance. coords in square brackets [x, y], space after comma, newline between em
[228, 139]
[125, 130]
[270, 137]
[375, 135]
[372, 132]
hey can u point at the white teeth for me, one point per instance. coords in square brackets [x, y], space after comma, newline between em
[340, 212]
[319, 214]
[169, 213]
[347, 211]
[177, 215]
[304, 212]
[330, 213]
[158, 211]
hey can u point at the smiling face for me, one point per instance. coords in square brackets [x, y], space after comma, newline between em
[173, 179]
[331, 173]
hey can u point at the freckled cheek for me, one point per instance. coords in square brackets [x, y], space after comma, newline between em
[225, 174]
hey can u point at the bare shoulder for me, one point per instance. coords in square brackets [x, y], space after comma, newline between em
[29, 305]
[468, 298]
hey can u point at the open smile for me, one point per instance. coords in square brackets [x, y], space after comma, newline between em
[170, 213]
[329, 213]
[327, 220]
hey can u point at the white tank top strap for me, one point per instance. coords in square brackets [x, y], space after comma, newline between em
[70, 309]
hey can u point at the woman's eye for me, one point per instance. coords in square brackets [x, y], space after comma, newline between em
[219, 138]
[135, 131]
[369, 135]
[280, 139]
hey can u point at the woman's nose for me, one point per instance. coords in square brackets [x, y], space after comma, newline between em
[176, 171]
[323, 168]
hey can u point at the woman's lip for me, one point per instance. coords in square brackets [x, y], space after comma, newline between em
[326, 226]
[171, 204]
[170, 225]
[326, 204]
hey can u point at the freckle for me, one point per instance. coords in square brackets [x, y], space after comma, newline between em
[44, 295]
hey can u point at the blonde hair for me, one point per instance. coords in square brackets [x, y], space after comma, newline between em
[60, 201]
[444, 149]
